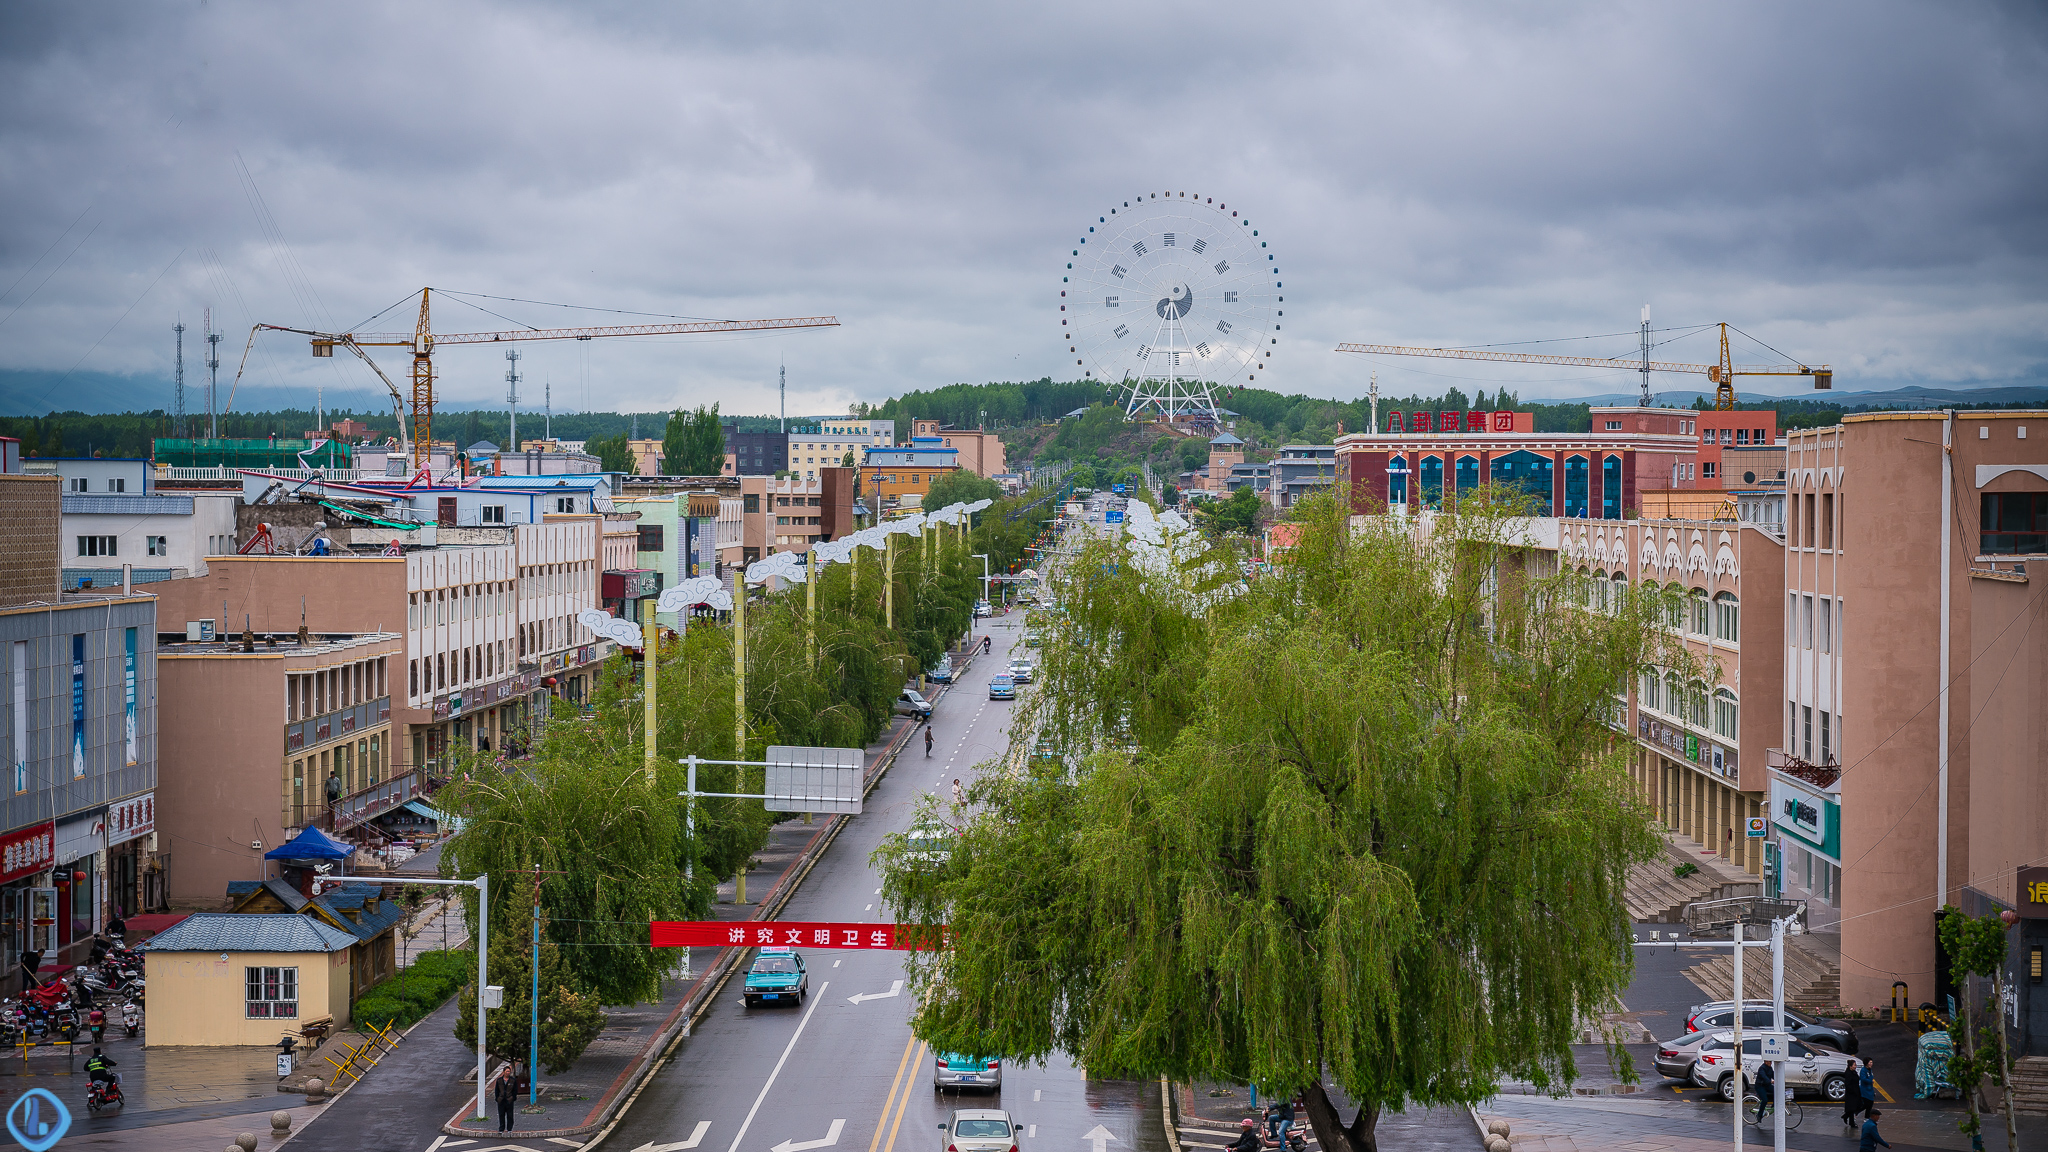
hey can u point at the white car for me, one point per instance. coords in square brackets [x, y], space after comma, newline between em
[1809, 1069]
[979, 1130]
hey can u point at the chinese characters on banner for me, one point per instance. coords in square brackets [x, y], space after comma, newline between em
[128, 685]
[787, 934]
[127, 819]
[78, 706]
[28, 851]
[1457, 423]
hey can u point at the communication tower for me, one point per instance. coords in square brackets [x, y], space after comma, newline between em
[512, 357]
[213, 375]
[178, 386]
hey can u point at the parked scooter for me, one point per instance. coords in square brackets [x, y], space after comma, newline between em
[131, 1018]
[96, 1023]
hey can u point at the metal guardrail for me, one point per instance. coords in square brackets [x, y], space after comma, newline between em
[338, 475]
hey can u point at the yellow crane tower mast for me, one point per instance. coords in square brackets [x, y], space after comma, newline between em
[1722, 374]
[423, 340]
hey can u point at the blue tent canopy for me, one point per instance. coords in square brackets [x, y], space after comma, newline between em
[312, 844]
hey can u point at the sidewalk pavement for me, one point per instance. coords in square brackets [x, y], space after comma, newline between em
[1209, 1115]
[165, 1086]
[1648, 1122]
[430, 1079]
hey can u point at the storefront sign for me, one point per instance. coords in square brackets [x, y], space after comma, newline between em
[2033, 891]
[440, 707]
[130, 818]
[128, 684]
[80, 837]
[1807, 815]
[1454, 423]
[78, 706]
[27, 851]
[784, 934]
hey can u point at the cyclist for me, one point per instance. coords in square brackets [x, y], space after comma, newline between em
[1766, 1088]
[99, 1068]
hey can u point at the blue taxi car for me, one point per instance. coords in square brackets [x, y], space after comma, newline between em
[1002, 688]
[777, 977]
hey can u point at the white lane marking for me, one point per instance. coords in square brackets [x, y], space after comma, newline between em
[869, 908]
[895, 989]
[831, 1138]
[777, 1071]
[451, 1143]
[703, 1126]
[1031, 1131]
[878, 891]
[1099, 1136]
[1035, 1094]
[835, 963]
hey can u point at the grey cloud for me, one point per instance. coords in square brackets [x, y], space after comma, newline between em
[1857, 183]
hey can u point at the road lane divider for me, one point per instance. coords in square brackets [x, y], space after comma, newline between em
[889, 1101]
[904, 1102]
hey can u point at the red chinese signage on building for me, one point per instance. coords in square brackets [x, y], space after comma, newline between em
[27, 851]
[130, 818]
[786, 934]
[1460, 423]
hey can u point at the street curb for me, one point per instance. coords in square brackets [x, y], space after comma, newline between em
[332, 1098]
[698, 1001]
[1478, 1123]
[1167, 1113]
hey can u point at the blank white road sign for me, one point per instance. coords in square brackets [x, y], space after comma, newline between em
[814, 779]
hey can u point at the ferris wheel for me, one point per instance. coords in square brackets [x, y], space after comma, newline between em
[1166, 297]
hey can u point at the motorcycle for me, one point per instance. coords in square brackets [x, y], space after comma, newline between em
[131, 1018]
[96, 1023]
[104, 1094]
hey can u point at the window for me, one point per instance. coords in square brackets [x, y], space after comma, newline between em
[494, 513]
[1652, 695]
[1827, 625]
[157, 545]
[650, 537]
[1698, 613]
[1806, 621]
[96, 546]
[1708, 469]
[750, 503]
[117, 485]
[1827, 520]
[1741, 436]
[1806, 733]
[1827, 739]
[1727, 619]
[75, 484]
[272, 993]
[2013, 523]
[1725, 714]
[415, 680]
[1614, 425]
[565, 504]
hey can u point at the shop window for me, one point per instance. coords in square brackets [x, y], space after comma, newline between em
[271, 993]
[1727, 619]
[1432, 480]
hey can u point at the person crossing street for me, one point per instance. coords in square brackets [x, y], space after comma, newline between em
[927, 739]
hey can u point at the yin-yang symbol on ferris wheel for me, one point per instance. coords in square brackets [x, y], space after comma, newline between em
[1171, 284]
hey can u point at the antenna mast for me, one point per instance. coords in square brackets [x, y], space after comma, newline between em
[782, 421]
[213, 375]
[512, 398]
[547, 405]
[1646, 356]
[178, 387]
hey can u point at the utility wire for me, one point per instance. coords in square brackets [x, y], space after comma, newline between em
[580, 307]
[44, 256]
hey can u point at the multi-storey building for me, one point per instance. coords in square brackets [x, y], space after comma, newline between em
[155, 535]
[980, 452]
[835, 441]
[268, 735]
[1300, 469]
[757, 453]
[891, 475]
[78, 718]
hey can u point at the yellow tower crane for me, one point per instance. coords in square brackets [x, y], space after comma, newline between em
[1722, 374]
[423, 340]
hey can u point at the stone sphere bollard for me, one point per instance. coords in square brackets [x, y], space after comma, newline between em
[1497, 1127]
[316, 1090]
[246, 1142]
[1497, 1144]
[280, 1123]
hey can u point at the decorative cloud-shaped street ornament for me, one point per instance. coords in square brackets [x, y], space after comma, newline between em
[624, 633]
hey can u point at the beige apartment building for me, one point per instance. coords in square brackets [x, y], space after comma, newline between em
[1916, 682]
[979, 452]
[307, 718]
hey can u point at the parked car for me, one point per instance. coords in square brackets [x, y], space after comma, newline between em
[1809, 1069]
[952, 1070]
[978, 1130]
[913, 705]
[1756, 1014]
[777, 977]
[942, 672]
[1675, 1058]
[929, 843]
[1020, 671]
[1002, 688]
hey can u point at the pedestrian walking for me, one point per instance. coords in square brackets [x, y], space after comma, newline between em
[1871, 1140]
[959, 794]
[505, 1094]
[927, 740]
[1862, 1091]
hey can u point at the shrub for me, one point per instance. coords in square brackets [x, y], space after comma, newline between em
[415, 991]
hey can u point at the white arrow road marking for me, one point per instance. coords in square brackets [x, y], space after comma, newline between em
[831, 1138]
[1098, 1136]
[777, 1070]
[895, 988]
[565, 1142]
[696, 1135]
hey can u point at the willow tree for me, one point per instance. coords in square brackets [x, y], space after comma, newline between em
[1364, 822]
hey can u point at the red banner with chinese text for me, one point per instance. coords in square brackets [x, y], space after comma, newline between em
[788, 934]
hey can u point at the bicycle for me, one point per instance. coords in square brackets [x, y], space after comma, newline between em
[1754, 1110]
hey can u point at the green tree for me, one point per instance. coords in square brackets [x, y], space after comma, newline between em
[960, 487]
[569, 1020]
[1239, 514]
[694, 443]
[613, 453]
[1170, 495]
[1363, 820]
[1976, 946]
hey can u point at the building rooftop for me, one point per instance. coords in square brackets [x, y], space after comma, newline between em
[287, 644]
[250, 932]
[1225, 439]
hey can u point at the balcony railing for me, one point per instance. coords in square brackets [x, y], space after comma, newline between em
[377, 799]
[1821, 775]
[335, 725]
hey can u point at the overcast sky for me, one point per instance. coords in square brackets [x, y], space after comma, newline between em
[1863, 184]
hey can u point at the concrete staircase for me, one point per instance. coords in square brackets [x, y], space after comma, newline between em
[2030, 1086]
[1655, 896]
[1813, 974]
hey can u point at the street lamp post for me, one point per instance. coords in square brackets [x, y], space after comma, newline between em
[983, 557]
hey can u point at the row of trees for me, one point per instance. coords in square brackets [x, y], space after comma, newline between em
[580, 830]
[1361, 823]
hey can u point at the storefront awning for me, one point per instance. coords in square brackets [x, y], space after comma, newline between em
[312, 844]
[423, 809]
